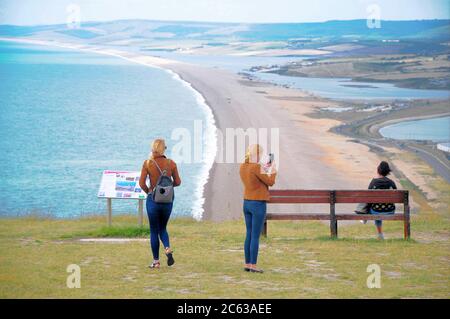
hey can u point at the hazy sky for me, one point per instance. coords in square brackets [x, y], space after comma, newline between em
[29, 12]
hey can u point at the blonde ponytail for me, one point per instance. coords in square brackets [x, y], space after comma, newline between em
[253, 152]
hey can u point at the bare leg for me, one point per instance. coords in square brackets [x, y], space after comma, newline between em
[379, 225]
[380, 229]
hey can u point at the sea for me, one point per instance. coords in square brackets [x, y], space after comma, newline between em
[66, 116]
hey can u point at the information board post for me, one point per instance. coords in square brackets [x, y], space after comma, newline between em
[109, 207]
[141, 213]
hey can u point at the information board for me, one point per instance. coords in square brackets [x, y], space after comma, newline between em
[120, 184]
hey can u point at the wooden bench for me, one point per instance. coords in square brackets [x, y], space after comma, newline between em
[333, 197]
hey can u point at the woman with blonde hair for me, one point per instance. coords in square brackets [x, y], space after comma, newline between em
[158, 212]
[256, 179]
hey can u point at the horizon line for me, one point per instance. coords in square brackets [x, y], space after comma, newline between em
[217, 22]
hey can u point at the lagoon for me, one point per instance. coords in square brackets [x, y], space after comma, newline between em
[436, 129]
[342, 88]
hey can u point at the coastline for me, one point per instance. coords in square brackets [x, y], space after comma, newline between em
[306, 144]
[158, 63]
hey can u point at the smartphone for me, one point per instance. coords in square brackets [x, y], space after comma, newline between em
[271, 157]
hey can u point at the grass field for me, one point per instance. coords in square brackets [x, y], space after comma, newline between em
[299, 258]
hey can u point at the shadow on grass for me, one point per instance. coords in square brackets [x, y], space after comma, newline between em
[349, 240]
[112, 232]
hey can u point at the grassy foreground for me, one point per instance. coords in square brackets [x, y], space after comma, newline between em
[299, 259]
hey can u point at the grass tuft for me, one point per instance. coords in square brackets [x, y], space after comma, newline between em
[112, 232]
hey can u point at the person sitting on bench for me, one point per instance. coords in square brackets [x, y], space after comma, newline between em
[382, 182]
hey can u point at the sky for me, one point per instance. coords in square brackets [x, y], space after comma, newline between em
[36, 12]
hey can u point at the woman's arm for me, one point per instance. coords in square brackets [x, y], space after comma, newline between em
[143, 178]
[268, 179]
[175, 175]
[393, 185]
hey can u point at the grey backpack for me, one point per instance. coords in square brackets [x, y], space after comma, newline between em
[163, 191]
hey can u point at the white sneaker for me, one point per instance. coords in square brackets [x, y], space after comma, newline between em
[380, 236]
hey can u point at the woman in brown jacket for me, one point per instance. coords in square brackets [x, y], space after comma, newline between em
[158, 213]
[256, 179]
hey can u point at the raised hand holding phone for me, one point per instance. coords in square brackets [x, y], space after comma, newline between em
[269, 166]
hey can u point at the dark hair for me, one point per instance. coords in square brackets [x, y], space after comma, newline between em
[383, 169]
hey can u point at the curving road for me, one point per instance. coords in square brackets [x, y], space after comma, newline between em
[440, 167]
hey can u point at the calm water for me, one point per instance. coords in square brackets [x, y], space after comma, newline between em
[337, 88]
[228, 62]
[66, 116]
[437, 130]
[345, 89]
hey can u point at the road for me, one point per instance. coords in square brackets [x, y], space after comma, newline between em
[440, 167]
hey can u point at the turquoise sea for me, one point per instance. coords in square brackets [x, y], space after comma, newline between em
[67, 115]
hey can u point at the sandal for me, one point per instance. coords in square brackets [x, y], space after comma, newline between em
[259, 271]
[155, 264]
[169, 254]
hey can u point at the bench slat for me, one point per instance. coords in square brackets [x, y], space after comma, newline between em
[299, 200]
[369, 217]
[296, 216]
[370, 200]
[318, 216]
[299, 192]
[370, 196]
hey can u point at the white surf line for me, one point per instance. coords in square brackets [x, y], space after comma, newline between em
[211, 130]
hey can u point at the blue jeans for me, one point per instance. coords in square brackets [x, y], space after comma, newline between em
[254, 214]
[158, 217]
[379, 223]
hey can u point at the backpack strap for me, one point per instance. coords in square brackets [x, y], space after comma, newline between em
[157, 166]
[162, 172]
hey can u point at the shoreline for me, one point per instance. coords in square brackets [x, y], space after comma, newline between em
[306, 144]
[158, 63]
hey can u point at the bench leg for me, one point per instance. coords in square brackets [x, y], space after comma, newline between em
[334, 228]
[333, 219]
[406, 217]
[264, 230]
[407, 227]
